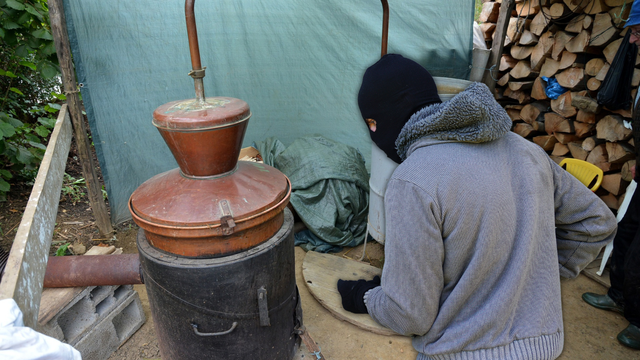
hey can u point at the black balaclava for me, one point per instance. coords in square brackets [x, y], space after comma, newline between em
[393, 89]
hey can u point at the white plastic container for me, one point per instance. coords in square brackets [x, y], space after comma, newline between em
[382, 167]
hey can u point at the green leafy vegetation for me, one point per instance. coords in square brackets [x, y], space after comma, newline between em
[29, 86]
[478, 10]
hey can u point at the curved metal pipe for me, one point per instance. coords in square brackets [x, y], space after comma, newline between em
[93, 270]
[197, 71]
[385, 26]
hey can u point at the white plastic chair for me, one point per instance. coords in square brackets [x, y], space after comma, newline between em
[623, 209]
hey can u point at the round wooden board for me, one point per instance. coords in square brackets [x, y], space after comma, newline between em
[321, 273]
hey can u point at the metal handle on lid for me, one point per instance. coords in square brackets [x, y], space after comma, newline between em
[195, 330]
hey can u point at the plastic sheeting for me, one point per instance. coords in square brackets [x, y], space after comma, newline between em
[298, 64]
[329, 189]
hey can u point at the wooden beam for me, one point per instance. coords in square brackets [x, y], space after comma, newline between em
[27, 262]
[63, 49]
[490, 77]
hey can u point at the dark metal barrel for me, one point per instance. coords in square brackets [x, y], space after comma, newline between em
[241, 306]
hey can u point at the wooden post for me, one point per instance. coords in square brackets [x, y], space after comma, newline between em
[63, 49]
[498, 43]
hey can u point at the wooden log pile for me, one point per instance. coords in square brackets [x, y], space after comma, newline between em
[573, 41]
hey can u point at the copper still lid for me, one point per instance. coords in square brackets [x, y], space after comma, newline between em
[193, 115]
[212, 217]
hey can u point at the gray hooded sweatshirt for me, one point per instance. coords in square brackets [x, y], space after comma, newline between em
[480, 225]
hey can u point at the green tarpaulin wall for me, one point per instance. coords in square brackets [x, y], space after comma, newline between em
[297, 63]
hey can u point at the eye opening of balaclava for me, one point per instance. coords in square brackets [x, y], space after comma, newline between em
[393, 89]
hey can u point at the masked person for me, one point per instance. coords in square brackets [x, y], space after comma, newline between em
[480, 224]
[624, 294]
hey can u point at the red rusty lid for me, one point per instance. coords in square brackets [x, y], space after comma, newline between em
[191, 114]
[212, 216]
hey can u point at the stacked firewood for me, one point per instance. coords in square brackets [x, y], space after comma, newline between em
[574, 42]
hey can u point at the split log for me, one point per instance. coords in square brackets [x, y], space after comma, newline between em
[624, 112]
[583, 129]
[542, 50]
[523, 70]
[556, 123]
[550, 68]
[579, 23]
[558, 10]
[504, 80]
[528, 38]
[594, 6]
[522, 96]
[591, 142]
[598, 155]
[575, 6]
[537, 91]
[516, 28]
[523, 129]
[521, 52]
[534, 112]
[562, 105]
[586, 117]
[603, 30]
[610, 200]
[626, 170]
[527, 8]
[569, 60]
[620, 152]
[520, 85]
[572, 78]
[538, 126]
[620, 14]
[514, 112]
[611, 50]
[635, 80]
[593, 66]
[487, 30]
[507, 62]
[585, 103]
[560, 150]
[611, 128]
[539, 23]
[593, 84]
[560, 41]
[578, 43]
[614, 183]
[546, 142]
[577, 151]
[603, 72]
[565, 138]
[490, 12]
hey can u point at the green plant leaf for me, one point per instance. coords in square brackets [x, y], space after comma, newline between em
[24, 156]
[54, 106]
[4, 186]
[31, 10]
[7, 129]
[32, 138]
[59, 96]
[24, 18]
[15, 90]
[42, 34]
[49, 48]
[50, 123]
[9, 25]
[1, 33]
[43, 132]
[22, 51]
[15, 5]
[10, 74]
[62, 250]
[34, 43]
[5, 174]
[47, 70]
[28, 64]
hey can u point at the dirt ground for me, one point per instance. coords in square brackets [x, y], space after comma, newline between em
[590, 334]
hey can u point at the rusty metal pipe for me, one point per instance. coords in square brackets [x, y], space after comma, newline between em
[197, 71]
[385, 26]
[93, 270]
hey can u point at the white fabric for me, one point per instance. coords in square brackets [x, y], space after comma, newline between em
[18, 342]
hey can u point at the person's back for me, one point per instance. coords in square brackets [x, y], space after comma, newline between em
[480, 225]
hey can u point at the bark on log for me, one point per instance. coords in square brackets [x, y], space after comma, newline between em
[585, 103]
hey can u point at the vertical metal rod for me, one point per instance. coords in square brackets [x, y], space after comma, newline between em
[197, 72]
[385, 26]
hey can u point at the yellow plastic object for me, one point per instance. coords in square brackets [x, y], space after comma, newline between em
[588, 174]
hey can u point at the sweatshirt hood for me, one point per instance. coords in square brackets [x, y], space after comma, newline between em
[472, 116]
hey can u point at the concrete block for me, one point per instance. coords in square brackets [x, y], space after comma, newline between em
[112, 331]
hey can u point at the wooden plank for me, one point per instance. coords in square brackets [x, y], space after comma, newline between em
[27, 261]
[63, 50]
[490, 76]
[321, 273]
[53, 300]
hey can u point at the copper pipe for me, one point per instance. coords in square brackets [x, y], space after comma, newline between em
[197, 71]
[93, 270]
[385, 26]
